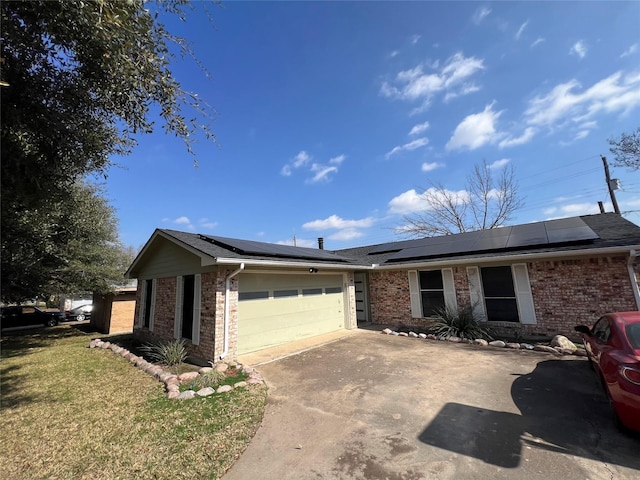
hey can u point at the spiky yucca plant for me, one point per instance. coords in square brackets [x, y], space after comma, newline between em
[459, 323]
[167, 353]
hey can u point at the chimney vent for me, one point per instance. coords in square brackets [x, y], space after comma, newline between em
[321, 243]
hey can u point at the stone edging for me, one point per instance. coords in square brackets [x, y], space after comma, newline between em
[172, 382]
[568, 348]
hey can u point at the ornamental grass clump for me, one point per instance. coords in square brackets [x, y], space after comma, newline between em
[460, 323]
[211, 379]
[168, 353]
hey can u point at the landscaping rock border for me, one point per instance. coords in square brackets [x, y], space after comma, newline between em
[172, 381]
[559, 345]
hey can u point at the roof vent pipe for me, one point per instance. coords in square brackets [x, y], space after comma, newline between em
[227, 292]
[321, 243]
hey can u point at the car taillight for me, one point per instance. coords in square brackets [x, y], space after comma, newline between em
[630, 373]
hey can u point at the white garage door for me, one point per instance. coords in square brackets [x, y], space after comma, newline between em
[275, 309]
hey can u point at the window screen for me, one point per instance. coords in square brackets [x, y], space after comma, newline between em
[499, 294]
[431, 292]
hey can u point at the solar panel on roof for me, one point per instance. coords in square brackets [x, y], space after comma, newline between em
[571, 234]
[492, 239]
[527, 235]
[566, 230]
[272, 249]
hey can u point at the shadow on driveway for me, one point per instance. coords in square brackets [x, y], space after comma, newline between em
[549, 409]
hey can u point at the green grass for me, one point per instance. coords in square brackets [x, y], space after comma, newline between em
[67, 411]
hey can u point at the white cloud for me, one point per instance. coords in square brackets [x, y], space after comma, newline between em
[537, 42]
[337, 223]
[286, 171]
[419, 128]
[579, 48]
[480, 14]
[415, 144]
[510, 141]
[321, 172]
[475, 130]
[395, 53]
[630, 51]
[415, 39]
[407, 202]
[207, 224]
[182, 221]
[452, 79]
[499, 163]
[347, 234]
[301, 159]
[521, 29]
[412, 201]
[464, 90]
[337, 160]
[572, 209]
[564, 104]
[427, 167]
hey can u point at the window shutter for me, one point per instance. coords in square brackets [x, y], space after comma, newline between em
[177, 322]
[450, 300]
[526, 308]
[152, 310]
[475, 292]
[143, 302]
[197, 297]
[414, 294]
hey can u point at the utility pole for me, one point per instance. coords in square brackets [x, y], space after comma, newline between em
[609, 185]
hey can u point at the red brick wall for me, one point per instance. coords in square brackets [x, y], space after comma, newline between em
[165, 314]
[565, 293]
[389, 297]
[571, 292]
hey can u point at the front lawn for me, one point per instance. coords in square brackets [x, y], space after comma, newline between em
[67, 411]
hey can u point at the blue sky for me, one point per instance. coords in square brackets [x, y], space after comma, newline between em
[333, 117]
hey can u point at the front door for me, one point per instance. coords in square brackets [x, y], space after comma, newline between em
[362, 297]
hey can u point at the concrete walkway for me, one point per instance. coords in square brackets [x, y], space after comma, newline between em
[368, 406]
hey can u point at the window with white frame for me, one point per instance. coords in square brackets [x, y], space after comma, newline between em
[502, 293]
[431, 291]
[187, 313]
[499, 294]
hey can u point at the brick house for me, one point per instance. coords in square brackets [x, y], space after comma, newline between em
[229, 296]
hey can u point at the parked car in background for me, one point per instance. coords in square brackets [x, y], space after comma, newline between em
[80, 313]
[29, 316]
[613, 347]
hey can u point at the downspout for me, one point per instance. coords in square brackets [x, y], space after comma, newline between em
[226, 309]
[632, 276]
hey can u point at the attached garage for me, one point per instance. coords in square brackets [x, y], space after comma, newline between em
[278, 308]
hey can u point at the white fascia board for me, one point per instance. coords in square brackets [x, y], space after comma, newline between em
[524, 257]
[302, 264]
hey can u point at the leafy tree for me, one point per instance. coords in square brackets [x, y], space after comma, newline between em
[79, 81]
[626, 150]
[487, 202]
[71, 246]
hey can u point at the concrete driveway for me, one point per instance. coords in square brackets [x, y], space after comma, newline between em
[372, 406]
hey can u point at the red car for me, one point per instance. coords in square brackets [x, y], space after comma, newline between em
[613, 347]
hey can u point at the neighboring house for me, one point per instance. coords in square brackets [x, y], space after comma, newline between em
[229, 296]
[114, 312]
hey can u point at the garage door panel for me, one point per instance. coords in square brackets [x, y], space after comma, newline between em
[266, 322]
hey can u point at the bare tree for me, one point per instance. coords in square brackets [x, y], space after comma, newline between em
[487, 202]
[626, 150]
